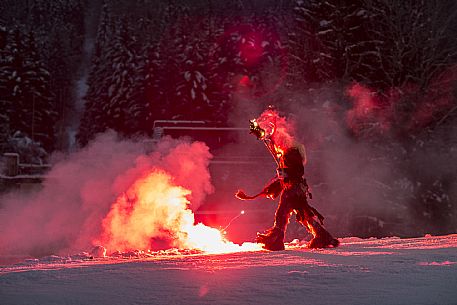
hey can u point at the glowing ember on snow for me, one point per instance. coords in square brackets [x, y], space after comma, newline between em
[153, 210]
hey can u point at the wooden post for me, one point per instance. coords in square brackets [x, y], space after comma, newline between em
[12, 164]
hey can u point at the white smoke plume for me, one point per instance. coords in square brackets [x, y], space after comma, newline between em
[66, 215]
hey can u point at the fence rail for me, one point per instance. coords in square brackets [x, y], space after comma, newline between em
[13, 169]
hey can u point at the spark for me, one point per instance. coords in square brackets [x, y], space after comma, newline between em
[232, 220]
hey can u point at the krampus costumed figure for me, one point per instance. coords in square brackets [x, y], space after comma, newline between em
[288, 184]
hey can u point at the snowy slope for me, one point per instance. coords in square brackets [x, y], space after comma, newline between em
[385, 271]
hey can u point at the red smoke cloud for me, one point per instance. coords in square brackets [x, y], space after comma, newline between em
[405, 109]
[369, 110]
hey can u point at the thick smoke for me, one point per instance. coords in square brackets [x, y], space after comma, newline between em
[372, 184]
[348, 188]
[67, 214]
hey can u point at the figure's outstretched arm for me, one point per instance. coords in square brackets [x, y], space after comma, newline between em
[271, 191]
[240, 194]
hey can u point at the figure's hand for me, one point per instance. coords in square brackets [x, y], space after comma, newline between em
[241, 195]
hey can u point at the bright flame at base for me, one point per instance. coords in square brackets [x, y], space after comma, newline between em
[210, 240]
[154, 210]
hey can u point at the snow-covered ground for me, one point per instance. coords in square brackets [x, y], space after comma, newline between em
[374, 271]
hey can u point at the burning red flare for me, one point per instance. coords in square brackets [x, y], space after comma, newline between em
[155, 208]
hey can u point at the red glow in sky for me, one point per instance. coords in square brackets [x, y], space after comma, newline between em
[251, 48]
[262, 58]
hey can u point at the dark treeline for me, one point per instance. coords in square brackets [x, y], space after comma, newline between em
[391, 63]
[40, 51]
[168, 60]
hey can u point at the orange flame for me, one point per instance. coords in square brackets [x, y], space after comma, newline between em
[154, 208]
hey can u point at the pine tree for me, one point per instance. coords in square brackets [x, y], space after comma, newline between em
[147, 88]
[58, 28]
[226, 65]
[5, 103]
[122, 110]
[192, 91]
[26, 89]
[43, 108]
[330, 41]
[94, 119]
[61, 82]
[171, 49]
[416, 40]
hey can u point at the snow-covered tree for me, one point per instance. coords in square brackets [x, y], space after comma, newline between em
[329, 41]
[417, 39]
[26, 87]
[94, 119]
[171, 49]
[123, 112]
[5, 103]
[192, 91]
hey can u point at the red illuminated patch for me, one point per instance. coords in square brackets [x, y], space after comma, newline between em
[408, 107]
[251, 48]
[245, 81]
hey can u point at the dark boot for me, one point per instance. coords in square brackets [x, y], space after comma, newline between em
[322, 238]
[273, 239]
